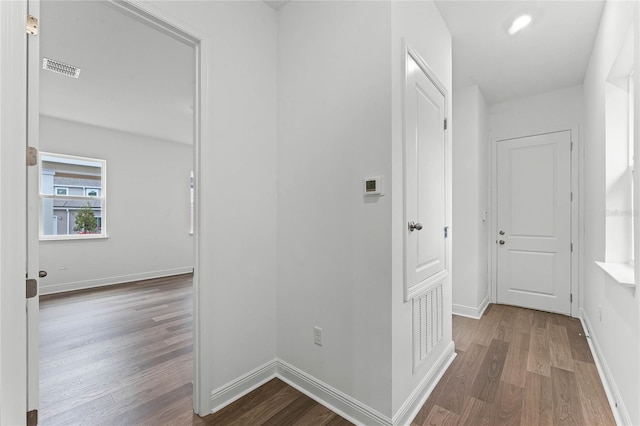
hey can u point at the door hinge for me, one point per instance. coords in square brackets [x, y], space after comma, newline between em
[32, 288]
[570, 297]
[32, 156]
[32, 418]
[445, 124]
[572, 146]
[446, 232]
[32, 25]
[571, 247]
[571, 197]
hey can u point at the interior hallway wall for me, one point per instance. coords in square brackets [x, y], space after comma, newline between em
[470, 202]
[334, 258]
[147, 209]
[611, 311]
[237, 186]
[421, 25]
[556, 110]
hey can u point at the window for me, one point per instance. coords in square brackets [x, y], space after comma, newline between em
[631, 163]
[72, 197]
[621, 87]
[61, 191]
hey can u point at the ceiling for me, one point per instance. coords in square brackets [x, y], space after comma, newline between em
[134, 77]
[553, 52]
[138, 79]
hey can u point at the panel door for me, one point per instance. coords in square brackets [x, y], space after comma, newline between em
[534, 222]
[425, 184]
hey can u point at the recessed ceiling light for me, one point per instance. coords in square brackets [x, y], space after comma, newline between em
[519, 23]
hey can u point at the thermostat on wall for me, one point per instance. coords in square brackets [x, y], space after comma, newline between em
[373, 185]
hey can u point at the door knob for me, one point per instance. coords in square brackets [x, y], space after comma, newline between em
[501, 242]
[414, 226]
[42, 274]
[501, 232]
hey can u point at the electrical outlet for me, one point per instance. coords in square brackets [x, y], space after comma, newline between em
[317, 336]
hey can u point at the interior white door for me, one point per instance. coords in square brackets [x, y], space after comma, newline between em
[534, 222]
[425, 181]
[33, 130]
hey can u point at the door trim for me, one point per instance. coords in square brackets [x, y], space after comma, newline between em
[186, 33]
[409, 52]
[13, 212]
[190, 35]
[576, 210]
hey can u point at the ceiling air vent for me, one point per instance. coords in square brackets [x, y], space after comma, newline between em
[60, 68]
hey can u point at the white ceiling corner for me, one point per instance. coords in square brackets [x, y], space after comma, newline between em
[276, 4]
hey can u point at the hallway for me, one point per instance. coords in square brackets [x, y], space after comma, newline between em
[518, 366]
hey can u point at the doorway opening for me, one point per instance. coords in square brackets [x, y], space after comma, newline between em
[127, 240]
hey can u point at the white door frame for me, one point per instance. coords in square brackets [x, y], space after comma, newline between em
[13, 212]
[576, 210]
[16, 12]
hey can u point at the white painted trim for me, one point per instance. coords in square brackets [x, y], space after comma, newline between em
[410, 53]
[236, 389]
[335, 400]
[577, 226]
[189, 34]
[13, 212]
[616, 402]
[107, 281]
[326, 395]
[470, 311]
[409, 410]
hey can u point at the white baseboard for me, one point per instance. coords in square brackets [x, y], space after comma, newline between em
[101, 282]
[616, 402]
[236, 389]
[409, 410]
[470, 311]
[335, 400]
[349, 408]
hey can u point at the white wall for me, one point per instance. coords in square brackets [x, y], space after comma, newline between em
[470, 200]
[147, 209]
[616, 332]
[237, 185]
[333, 244]
[422, 26]
[557, 110]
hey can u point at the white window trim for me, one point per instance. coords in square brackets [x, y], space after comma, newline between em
[72, 159]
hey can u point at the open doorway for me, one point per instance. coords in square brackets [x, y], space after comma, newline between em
[115, 210]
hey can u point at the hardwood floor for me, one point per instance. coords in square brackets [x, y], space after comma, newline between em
[123, 356]
[117, 355]
[517, 366]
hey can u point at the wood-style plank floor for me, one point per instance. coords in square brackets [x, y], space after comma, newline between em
[117, 355]
[123, 356]
[518, 366]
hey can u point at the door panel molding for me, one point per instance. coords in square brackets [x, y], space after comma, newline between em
[576, 174]
[428, 262]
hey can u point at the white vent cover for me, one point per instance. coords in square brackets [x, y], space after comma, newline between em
[427, 323]
[60, 68]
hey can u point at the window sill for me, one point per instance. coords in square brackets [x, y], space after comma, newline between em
[74, 237]
[621, 272]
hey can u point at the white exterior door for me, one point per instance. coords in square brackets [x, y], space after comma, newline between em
[425, 182]
[534, 222]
